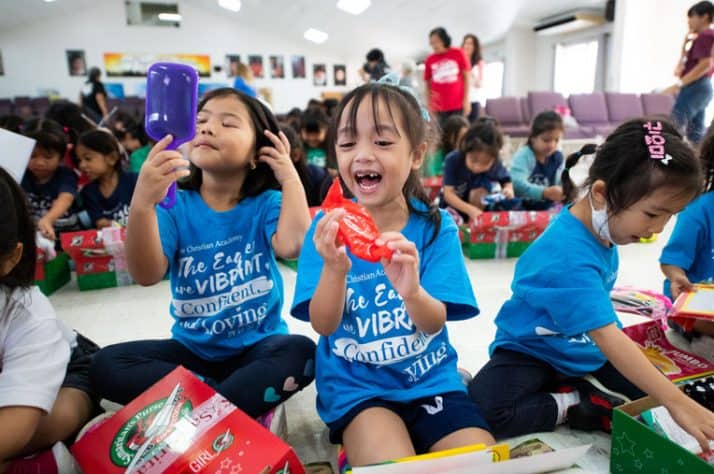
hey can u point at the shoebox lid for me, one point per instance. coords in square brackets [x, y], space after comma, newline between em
[637, 448]
[181, 425]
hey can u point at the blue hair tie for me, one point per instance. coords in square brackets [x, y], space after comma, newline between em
[392, 79]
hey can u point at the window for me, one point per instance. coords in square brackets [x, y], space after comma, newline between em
[492, 84]
[575, 67]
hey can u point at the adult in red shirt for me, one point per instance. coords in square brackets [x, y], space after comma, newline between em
[447, 77]
[695, 68]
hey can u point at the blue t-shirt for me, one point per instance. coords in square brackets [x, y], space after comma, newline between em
[42, 196]
[456, 174]
[116, 206]
[561, 290]
[546, 174]
[377, 352]
[691, 245]
[226, 289]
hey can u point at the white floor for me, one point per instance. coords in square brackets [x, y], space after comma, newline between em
[130, 313]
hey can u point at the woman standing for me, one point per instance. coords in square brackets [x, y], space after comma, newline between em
[93, 96]
[472, 49]
[446, 73]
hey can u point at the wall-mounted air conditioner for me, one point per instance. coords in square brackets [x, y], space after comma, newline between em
[569, 21]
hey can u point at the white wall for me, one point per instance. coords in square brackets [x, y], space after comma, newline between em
[34, 54]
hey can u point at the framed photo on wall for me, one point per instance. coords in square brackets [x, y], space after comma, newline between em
[298, 65]
[340, 74]
[277, 67]
[319, 75]
[76, 64]
[232, 61]
[255, 63]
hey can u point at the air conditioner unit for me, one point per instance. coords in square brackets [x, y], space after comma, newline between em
[570, 21]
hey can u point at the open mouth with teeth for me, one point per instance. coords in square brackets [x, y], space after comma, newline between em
[368, 181]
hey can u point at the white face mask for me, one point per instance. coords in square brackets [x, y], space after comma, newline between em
[599, 221]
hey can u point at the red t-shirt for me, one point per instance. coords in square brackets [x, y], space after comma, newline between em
[701, 49]
[445, 74]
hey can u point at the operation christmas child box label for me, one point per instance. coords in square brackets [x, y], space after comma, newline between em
[181, 425]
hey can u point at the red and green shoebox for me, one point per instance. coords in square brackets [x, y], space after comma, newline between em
[503, 234]
[637, 448]
[99, 257]
[53, 274]
[180, 425]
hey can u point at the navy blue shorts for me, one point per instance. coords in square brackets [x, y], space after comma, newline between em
[427, 419]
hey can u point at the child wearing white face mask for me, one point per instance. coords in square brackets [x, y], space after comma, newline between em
[559, 354]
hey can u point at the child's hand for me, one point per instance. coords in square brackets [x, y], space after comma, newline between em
[403, 268]
[679, 284]
[475, 212]
[46, 228]
[694, 419]
[507, 191]
[333, 253]
[161, 168]
[278, 157]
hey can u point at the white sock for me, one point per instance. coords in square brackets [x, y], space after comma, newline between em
[565, 401]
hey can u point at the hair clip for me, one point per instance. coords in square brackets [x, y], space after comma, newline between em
[655, 142]
[392, 79]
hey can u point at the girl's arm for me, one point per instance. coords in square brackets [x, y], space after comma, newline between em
[102, 103]
[453, 200]
[294, 217]
[427, 313]
[328, 301]
[629, 360]
[24, 422]
[677, 278]
[520, 171]
[145, 255]
[59, 207]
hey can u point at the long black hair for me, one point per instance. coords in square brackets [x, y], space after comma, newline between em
[625, 164]
[261, 178]
[546, 121]
[476, 55]
[102, 142]
[16, 226]
[706, 157]
[414, 125]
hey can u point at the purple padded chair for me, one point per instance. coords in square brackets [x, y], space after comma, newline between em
[590, 110]
[5, 107]
[657, 104]
[508, 112]
[622, 107]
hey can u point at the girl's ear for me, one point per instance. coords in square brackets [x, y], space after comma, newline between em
[418, 155]
[598, 190]
[11, 260]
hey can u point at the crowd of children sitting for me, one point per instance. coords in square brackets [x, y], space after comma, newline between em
[250, 175]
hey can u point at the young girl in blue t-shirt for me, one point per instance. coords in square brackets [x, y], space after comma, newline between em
[687, 257]
[536, 167]
[49, 186]
[219, 243]
[559, 353]
[386, 373]
[107, 196]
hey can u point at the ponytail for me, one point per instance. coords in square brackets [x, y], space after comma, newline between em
[569, 189]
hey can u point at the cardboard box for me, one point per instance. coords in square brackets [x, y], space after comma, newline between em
[52, 275]
[99, 256]
[181, 425]
[637, 448]
[676, 364]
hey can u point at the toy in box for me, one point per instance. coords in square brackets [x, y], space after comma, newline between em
[692, 305]
[99, 257]
[181, 425]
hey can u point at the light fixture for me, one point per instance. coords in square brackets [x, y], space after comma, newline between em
[354, 7]
[49, 1]
[169, 17]
[316, 36]
[232, 5]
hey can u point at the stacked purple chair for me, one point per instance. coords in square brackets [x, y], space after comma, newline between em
[508, 112]
[622, 107]
[590, 110]
[657, 104]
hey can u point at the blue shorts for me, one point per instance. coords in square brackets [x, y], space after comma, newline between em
[427, 419]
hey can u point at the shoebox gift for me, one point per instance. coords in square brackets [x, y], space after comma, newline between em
[692, 305]
[99, 257]
[503, 234]
[645, 438]
[51, 274]
[181, 425]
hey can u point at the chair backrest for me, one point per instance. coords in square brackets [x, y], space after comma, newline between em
[507, 110]
[657, 104]
[527, 116]
[622, 106]
[6, 107]
[540, 101]
[589, 108]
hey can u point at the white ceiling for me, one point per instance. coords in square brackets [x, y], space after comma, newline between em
[399, 27]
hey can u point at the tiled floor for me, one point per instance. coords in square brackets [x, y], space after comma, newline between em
[129, 313]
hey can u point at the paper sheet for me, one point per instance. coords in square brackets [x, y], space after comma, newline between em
[15, 153]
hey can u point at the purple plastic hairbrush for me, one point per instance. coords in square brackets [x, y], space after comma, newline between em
[171, 100]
